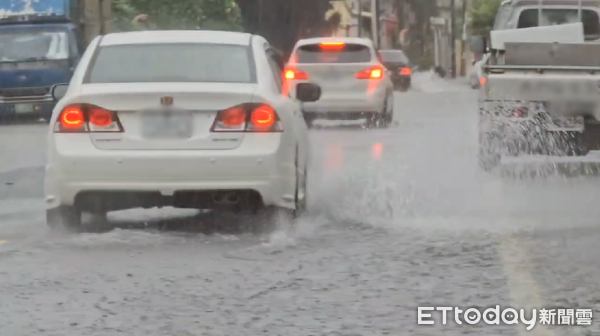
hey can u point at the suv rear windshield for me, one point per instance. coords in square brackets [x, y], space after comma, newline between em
[349, 53]
[172, 62]
[557, 16]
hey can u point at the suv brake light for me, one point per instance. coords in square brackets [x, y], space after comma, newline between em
[291, 73]
[248, 117]
[87, 118]
[375, 72]
[332, 45]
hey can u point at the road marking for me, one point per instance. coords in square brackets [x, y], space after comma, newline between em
[523, 288]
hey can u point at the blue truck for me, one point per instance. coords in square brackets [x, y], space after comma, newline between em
[41, 42]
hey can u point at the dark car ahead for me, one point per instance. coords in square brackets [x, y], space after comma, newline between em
[399, 66]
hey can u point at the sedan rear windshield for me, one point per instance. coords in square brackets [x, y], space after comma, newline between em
[557, 16]
[159, 63]
[348, 53]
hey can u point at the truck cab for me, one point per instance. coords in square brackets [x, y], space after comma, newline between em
[39, 47]
[518, 14]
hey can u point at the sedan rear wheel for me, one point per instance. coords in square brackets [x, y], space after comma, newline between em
[269, 218]
[64, 218]
[301, 189]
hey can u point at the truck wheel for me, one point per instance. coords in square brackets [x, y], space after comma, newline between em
[64, 218]
[566, 144]
[489, 156]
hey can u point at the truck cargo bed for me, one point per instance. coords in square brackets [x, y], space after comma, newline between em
[552, 54]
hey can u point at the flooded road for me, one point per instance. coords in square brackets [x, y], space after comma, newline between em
[399, 218]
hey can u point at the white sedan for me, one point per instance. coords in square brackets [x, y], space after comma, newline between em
[355, 83]
[189, 119]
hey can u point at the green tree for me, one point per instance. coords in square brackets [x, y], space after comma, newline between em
[482, 16]
[180, 14]
[123, 14]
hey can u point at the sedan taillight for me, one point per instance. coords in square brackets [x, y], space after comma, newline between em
[406, 71]
[248, 117]
[87, 118]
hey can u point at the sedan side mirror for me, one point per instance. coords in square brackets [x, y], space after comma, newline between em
[59, 91]
[308, 92]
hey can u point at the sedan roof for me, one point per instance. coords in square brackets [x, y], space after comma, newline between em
[177, 36]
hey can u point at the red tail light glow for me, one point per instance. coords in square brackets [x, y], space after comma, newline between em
[72, 118]
[263, 117]
[406, 71]
[518, 112]
[85, 118]
[375, 72]
[290, 73]
[100, 117]
[332, 45]
[249, 117]
[234, 117]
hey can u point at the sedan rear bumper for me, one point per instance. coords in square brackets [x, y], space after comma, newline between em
[77, 170]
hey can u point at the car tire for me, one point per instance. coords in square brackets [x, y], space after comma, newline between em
[301, 185]
[402, 87]
[268, 218]
[309, 122]
[488, 156]
[389, 117]
[384, 118]
[64, 218]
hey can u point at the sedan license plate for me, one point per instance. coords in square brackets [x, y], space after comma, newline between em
[167, 125]
[23, 108]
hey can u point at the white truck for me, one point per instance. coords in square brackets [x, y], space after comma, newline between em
[522, 14]
[540, 94]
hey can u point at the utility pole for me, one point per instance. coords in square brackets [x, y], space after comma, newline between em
[360, 23]
[378, 21]
[453, 37]
[374, 25]
[260, 11]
